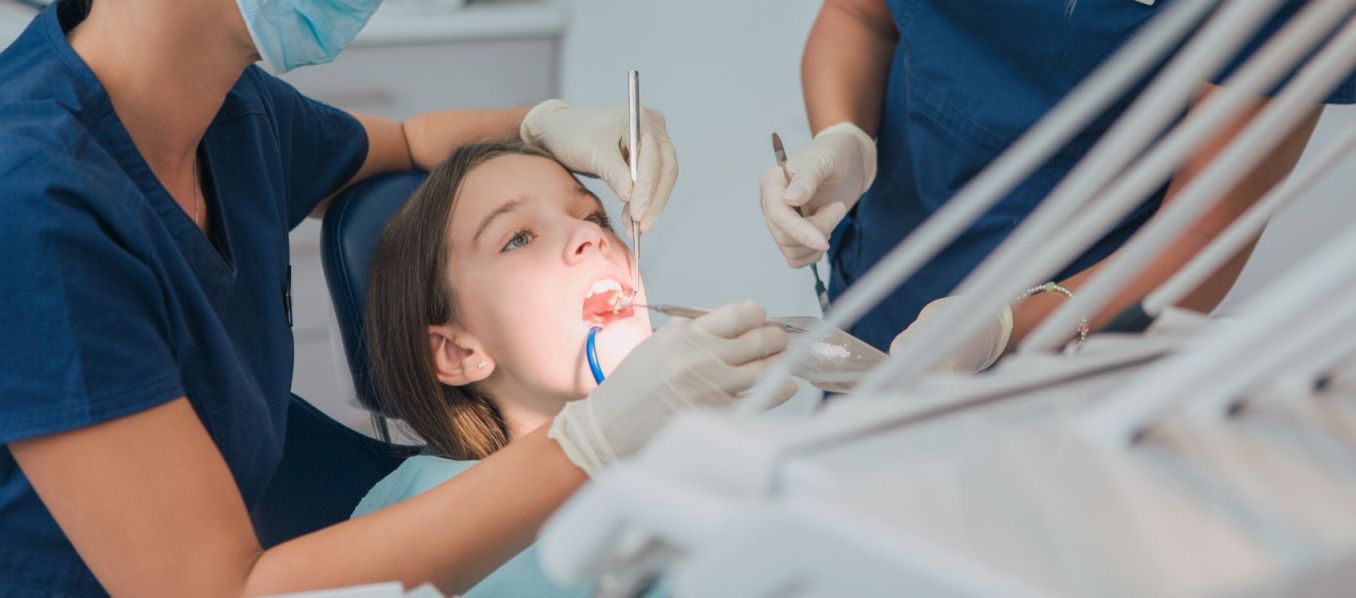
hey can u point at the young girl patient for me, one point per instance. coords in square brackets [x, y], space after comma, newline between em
[484, 289]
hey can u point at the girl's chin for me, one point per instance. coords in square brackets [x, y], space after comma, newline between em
[622, 341]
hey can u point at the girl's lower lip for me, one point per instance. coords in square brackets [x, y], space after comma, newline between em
[607, 318]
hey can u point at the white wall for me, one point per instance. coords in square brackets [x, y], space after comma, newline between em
[725, 74]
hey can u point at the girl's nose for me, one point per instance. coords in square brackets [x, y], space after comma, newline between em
[585, 238]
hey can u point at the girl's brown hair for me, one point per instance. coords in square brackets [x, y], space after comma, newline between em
[407, 292]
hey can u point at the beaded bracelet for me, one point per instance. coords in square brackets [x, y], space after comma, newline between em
[1054, 287]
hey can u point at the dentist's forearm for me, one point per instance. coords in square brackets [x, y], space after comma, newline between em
[847, 63]
[424, 140]
[149, 521]
[431, 136]
[453, 535]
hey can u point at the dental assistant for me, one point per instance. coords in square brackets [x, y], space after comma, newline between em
[909, 99]
[149, 175]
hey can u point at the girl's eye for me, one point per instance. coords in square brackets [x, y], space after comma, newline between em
[519, 239]
[600, 218]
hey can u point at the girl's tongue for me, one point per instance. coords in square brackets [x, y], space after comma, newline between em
[601, 308]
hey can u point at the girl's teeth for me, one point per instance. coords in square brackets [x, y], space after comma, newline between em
[603, 286]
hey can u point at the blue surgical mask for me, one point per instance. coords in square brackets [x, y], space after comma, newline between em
[293, 33]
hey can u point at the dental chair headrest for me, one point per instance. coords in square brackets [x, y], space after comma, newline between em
[348, 238]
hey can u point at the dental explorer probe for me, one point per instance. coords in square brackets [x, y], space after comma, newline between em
[821, 293]
[633, 155]
[633, 118]
[692, 313]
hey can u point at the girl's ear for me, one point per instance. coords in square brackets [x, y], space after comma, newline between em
[458, 358]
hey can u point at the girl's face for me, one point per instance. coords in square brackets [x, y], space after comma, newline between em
[535, 264]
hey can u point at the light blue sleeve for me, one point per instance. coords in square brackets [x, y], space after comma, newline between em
[520, 576]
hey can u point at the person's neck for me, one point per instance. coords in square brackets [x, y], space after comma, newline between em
[167, 67]
[522, 420]
[523, 408]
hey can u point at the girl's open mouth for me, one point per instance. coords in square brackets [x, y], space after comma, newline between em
[606, 303]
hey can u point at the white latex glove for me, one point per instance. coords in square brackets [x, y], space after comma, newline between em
[686, 364]
[976, 354]
[594, 141]
[828, 176]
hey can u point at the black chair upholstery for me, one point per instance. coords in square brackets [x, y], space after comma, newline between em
[352, 226]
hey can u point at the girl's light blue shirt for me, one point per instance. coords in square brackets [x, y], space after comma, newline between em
[520, 576]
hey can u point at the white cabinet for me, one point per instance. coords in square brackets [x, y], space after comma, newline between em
[414, 56]
[417, 55]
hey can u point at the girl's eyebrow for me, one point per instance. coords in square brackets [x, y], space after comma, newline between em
[582, 190]
[500, 211]
[514, 204]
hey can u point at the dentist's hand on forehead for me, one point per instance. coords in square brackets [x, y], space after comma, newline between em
[593, 141]
[828, 176]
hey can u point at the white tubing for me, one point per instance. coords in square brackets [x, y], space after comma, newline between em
[1159, 388]
[854, 422]
[1008, 271]
[1329, 354]
[1102, 88]
[1249, 367]
[1270, 127]
[1342, 376]
[1248, 226]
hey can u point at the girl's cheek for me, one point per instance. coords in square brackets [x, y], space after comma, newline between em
[527, 275]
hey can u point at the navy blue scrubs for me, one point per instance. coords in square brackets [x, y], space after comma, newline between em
[968, 77]
[113, 302]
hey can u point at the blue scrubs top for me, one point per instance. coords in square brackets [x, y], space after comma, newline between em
[968, 77]
[113, 302]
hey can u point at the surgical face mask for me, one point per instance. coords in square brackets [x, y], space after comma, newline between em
[293, 33]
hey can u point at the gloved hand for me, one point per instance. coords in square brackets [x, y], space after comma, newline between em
[828, 176]
[977, 354]
[594, 141]
[686, 364]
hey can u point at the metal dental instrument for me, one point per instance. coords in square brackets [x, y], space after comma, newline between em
[694, 313]
[633, 118]
[821, 292]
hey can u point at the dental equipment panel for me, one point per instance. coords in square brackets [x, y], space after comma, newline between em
[1202, 457]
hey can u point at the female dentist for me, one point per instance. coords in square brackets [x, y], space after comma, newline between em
[149, 175]
[944, 86]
